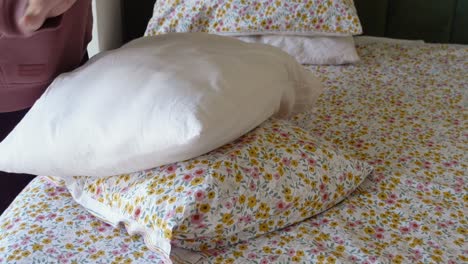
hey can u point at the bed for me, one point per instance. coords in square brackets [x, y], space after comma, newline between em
[402, 109]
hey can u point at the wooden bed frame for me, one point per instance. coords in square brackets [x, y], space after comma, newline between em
[439, 21]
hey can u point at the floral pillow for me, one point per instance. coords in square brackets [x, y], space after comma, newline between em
[259, 17]
[272, 177]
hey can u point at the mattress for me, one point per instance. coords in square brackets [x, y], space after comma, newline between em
[402, 108]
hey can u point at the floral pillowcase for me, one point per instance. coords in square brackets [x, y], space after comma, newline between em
[272, 177]
[256, 17]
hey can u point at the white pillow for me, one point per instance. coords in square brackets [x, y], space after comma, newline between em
[155, 101]
[311, 50]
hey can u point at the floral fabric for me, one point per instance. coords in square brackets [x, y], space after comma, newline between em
[246, 17]
[274, 176]
[402, 109]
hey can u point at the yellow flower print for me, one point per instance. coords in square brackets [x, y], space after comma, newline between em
[296, 258]
[252, 201]
[462, 230]
[242, 247]
[205, 208]
[167, 233]
[172, 200]
[182, 228]
[211, 195]
[369, 230]
[263, 227]
[266, 249]
[69, 246]
[226, 218]
[196, 181]
[137, 255]
[37, 247]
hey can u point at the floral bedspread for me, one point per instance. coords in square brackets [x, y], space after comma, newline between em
[402, 109]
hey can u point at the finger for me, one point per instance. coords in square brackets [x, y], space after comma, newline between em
[32, 22]
[36, 13]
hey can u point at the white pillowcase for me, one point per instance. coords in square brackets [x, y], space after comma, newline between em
[155, 101]
[311, 50]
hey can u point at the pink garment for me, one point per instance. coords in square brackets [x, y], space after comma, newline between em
[28, 64]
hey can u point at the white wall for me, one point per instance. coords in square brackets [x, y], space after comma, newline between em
[107, 29]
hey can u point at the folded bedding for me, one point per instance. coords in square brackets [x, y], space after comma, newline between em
[401, 110]
[268, 179]
[313, 32]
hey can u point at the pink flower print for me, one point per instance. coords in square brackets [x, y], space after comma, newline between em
[283, 134]
[220, 243]
[171, 169]
[252, 186]
[312, 162]
[379, 236]
[414, 225]
[442, 225]
[291, 252]
[322, 187]
[372, 259]
[379, 230]
[62, 259]
[325, 197]
[404, 230]
[92, 250]
[187, 177]
[81, 217]
[325, 221]
[353, 259]
[228, 205]
[137, 212]
[281, 205]
[390, 201]
[52, 215]
[99, 190]
[252, 256]
[247, 219]
[199, 195]
[196, 219]
[272, 258]
[152, 257]
[234, 199]
[286, 161]
[276, 176]
[199, 172]
[40, 218]
[255, 175]
[101, 229]
[264, 261]
[427, 165]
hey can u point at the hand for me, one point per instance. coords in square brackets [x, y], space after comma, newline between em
[38, 11]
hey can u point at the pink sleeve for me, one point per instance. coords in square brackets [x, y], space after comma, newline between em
[10, 13]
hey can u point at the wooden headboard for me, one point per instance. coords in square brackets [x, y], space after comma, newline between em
[440, 21]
